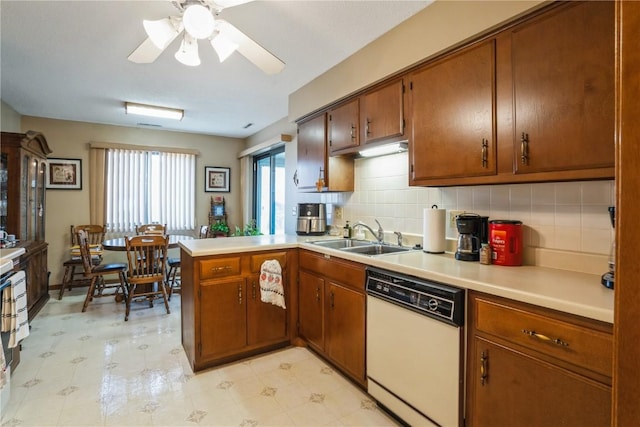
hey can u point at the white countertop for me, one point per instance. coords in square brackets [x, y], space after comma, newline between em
[572, 292]
[7, 255]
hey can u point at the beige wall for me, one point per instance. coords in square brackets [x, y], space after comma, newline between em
[9, 118]
[434, 29]
[68, 139]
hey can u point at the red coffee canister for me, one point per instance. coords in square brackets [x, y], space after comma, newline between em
[505, 237]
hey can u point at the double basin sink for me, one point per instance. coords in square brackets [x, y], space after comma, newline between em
[363, 247]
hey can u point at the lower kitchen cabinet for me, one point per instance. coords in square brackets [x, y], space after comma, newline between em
[332, 308]
[223, 317]
[530, 366]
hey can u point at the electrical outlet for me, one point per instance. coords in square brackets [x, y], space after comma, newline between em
[452, 218]
[294, 211]
[337, 212]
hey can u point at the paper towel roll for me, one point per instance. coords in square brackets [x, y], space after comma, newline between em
[434, 230]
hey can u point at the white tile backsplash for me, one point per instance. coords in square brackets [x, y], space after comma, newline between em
[570, 216]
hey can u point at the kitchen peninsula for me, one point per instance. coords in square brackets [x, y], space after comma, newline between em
[223, 318]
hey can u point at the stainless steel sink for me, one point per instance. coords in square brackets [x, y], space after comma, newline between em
[342, 243]
[377, 249]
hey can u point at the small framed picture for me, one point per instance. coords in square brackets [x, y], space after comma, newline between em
[216, 179]
[64, 174]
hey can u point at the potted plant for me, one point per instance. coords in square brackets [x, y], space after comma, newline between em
[250, 229]
[220, 229]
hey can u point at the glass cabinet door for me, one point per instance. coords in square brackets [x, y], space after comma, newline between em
[42, 170]
[4, 191]
[33, 198]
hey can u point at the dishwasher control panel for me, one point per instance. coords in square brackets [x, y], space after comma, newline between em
[430, 298]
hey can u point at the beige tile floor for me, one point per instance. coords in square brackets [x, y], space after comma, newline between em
[95, 369]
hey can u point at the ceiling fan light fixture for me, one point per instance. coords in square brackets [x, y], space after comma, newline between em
[161, 32]
[153, 111]
[198, 21]
[188, 52]
[223, 46]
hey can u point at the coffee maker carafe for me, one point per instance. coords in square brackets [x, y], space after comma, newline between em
[472, 233]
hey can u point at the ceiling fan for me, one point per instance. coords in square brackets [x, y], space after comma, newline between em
[198, 20]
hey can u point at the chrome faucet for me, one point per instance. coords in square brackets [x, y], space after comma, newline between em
[379, 235]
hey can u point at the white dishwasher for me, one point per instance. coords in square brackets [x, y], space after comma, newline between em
[414, 348]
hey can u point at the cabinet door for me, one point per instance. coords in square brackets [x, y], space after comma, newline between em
[223, 317]
[563, 84]
[343, 127]
[451, 103]
[310, 306]
[521, 390]
[265, 322]
[383, 113]
[345, 329]
[312, 152]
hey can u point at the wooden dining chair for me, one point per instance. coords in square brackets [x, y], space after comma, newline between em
[173, 264]
[73, 266]
[146, 276]
[151, 229]
[96, 273]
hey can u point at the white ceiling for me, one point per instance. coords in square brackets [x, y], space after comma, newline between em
[68, 60]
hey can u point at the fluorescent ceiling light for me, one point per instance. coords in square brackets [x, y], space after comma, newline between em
[397, 147]
[153, 111]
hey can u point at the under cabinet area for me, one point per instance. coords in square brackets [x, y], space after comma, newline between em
[332, 310]
[223, 317]
[536, 365]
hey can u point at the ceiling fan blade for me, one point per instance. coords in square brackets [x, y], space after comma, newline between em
[251, 50]
[229, 3]
[146, 53]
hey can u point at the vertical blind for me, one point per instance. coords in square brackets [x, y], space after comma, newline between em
[144, 187]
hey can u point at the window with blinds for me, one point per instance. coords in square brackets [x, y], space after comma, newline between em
[144, 187]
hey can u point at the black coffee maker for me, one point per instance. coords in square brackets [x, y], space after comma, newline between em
[473, 231]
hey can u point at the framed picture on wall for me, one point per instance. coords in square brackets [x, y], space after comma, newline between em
[216, 179]
[64, 174]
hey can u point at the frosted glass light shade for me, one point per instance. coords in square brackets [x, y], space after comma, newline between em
[153, 111]
[161, 32]
[223, 46]
[198, 21]
[188, 52]
[382, 150]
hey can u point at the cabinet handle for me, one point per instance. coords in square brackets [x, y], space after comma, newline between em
[221, 269]
[483, 367]
[485, 149]
[524, 148]
[318, 293]
[331, 299]
[368, 128]
[353, 131]
[253, 289]
[542, 337]
[239, 294]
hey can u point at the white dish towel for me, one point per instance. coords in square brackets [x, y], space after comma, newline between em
[271, 288]
[15, 318]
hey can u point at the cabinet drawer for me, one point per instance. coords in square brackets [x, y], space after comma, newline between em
[580, 345]
[219, 267]
[258, 259]
[342, 271]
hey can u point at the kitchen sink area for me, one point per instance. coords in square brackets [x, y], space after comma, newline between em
[363, 247]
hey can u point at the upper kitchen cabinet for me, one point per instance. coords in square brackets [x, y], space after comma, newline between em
[383, 113]
[562, 84]
[316, 170]
[451, 102]
[343, 127]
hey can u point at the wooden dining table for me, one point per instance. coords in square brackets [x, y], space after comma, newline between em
[119, 244]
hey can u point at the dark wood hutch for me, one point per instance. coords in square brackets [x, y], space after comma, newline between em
[22, 208]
